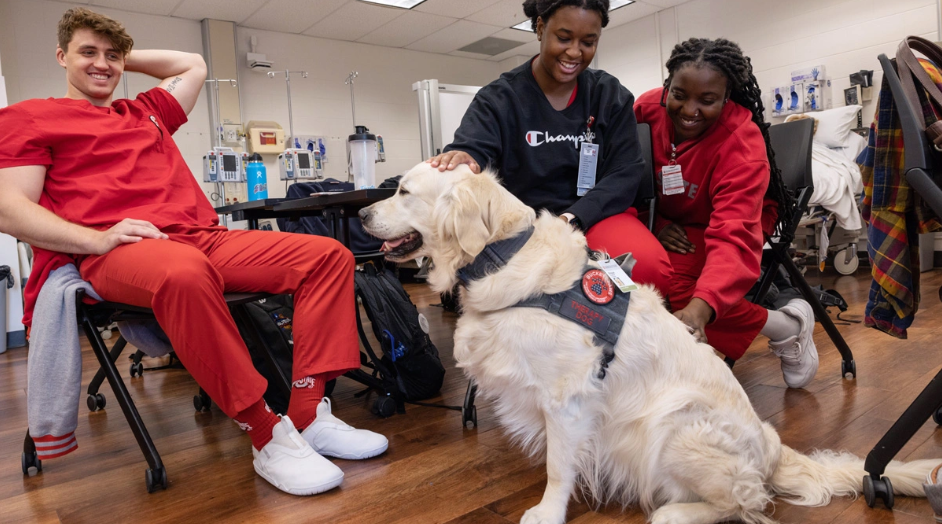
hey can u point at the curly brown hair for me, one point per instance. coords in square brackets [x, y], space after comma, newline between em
[81, 18]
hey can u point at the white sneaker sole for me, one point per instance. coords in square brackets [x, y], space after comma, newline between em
[355, 456]
[808, 376]
[311, 490]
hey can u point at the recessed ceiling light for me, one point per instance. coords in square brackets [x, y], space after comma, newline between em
[401, 4]
[526, 25]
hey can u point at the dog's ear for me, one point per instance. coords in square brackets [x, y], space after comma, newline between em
[462, 217]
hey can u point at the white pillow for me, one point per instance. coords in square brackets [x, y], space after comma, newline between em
[854, 145]
[834, 125]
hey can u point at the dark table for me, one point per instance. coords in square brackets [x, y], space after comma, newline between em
[335, 207]
[251, 211]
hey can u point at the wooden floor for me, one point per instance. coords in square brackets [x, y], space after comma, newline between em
[435, 471]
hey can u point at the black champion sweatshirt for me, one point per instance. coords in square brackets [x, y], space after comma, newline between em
[511, 127]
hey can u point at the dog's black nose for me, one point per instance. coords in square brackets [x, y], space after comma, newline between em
[365, 214]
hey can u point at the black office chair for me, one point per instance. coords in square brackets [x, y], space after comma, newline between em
[646, 197]
[93, 316]
[791, 143]
[918, 168]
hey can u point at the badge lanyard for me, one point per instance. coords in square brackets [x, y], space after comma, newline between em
[588, 160]
[672, 180]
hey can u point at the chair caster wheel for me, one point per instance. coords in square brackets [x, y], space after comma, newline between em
[848, 366]
[937, 416]
[155, 479]
[384, 407]
[469, 417]
[878, 488]
[30, 460]
[202, 402]
[137, 369]
[846, 261]
[95, 402]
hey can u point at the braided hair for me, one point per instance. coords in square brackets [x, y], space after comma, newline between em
[727, 58]
[545, 8]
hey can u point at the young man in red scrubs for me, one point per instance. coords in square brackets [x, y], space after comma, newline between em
[101, 184]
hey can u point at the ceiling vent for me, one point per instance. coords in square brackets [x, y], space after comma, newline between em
[491, 46]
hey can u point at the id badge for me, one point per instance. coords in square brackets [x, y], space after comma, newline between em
[621, 279]
[672, 180]
[588, 164]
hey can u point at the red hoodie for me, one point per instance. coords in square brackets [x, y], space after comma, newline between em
[726, 174]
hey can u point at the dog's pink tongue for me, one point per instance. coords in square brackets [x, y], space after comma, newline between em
[391, 244]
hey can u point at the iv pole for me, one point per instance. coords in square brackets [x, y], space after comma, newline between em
[353, 108]
[271, 74]
[217, 133]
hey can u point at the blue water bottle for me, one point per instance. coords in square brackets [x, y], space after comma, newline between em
[257, 178]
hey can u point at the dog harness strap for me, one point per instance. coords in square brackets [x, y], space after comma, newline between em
[495, 256]
[605, 320]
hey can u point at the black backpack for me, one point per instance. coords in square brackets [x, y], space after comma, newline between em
[409, 357]
[272, 319]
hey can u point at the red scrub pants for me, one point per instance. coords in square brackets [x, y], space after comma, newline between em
[730, 334]
[623, 233]
[183, 280]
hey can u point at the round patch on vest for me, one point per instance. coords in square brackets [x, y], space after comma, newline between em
[597, 287]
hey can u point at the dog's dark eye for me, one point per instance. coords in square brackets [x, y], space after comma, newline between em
[403, 191]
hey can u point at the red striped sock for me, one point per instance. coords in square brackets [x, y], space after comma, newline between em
[306, 395]
[258, 421]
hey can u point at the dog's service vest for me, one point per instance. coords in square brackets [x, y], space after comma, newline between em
[593, 302]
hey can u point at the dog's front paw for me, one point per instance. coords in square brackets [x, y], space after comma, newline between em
[681, 514]
[541, 514]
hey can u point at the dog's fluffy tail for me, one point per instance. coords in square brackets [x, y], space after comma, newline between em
[813, 480]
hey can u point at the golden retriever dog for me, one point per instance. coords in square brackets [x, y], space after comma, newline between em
[668, 427]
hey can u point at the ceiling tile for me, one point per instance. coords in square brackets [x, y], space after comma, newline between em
[231, 10]
[453, 37]
[302, 15]
[354, 20]
[152, 7]
[406, 29]
[629, 13]
[664, 4]
[454, 8]
[505, 13]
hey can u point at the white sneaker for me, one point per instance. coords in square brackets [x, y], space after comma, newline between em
[289, 463]
[330, 436]
[798, 353]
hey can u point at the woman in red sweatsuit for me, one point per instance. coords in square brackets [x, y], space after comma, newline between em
[720, 193]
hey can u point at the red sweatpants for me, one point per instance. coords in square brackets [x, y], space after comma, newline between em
[730, 334]
[624, 232]
[183, 280]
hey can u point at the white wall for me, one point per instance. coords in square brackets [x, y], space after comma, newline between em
[385, 102]
[8, 257]
[843, 35]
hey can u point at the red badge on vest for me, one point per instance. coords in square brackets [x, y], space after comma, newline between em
[597, 287]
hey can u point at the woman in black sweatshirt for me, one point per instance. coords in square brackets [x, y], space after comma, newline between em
[531, 125]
